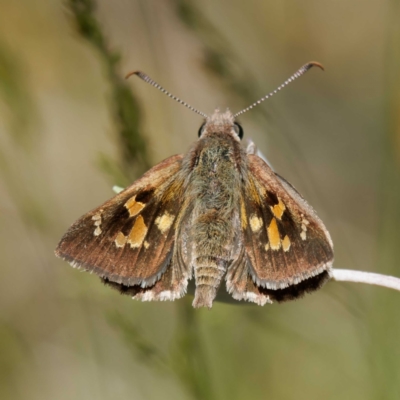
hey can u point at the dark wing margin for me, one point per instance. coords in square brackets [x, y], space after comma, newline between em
[129, 240]
[288, 250]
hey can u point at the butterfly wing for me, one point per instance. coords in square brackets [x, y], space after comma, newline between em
[129, 240]
[288, 250]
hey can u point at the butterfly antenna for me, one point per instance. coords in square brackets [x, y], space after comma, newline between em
[296, 75]
[147, 79]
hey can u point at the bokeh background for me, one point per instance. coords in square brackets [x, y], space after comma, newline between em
[71, 127]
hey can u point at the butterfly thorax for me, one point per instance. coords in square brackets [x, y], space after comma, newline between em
[216, 163]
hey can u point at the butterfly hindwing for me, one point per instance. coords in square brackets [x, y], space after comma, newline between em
[129, 240]
[286, 243]
[168, 287]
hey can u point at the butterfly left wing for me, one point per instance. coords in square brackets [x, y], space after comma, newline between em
[129, 240]
[288, 250]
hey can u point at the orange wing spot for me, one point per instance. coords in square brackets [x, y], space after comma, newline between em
[138, 232]
[252, 191]
[278, 209]
[120, 240]
[273, 235]
[243, 215]
[286, 243]
[134, 207]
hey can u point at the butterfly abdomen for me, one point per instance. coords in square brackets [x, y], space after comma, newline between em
[212, 237]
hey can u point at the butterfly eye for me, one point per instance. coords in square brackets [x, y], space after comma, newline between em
[201, 129]
[238, 130]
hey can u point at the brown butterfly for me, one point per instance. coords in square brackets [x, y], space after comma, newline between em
[217, 212]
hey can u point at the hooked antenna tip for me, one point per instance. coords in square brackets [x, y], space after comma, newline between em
[315, 64]
[129, 74]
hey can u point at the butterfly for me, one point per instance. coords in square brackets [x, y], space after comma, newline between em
[217, 213]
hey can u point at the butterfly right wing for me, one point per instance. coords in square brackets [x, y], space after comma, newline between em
[288, 250]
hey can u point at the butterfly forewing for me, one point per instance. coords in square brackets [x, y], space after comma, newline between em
[285, 241]
[129, 240]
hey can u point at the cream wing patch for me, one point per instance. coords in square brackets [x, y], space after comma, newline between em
[120, 240]
[255, 223]
[97, 223]
[164, 222]
[304, 224]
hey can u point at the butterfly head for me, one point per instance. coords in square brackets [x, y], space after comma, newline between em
[220, 122]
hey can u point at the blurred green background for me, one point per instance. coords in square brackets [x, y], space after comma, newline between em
[71, 127]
